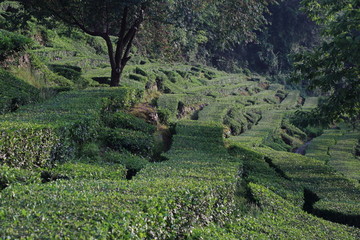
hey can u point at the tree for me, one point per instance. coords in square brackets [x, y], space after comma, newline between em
[103, 19]
[223, 22]
[290, 31]
[204, 31]
[12, 15]
[334, 67]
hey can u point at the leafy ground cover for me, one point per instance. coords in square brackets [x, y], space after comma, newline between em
[342, 155]
[204, 189]
[165, 200]
[336, 147]
[334, 193]
[319, 147]
[274, 218]
[38, 135]
[310, 103]
[14, 92]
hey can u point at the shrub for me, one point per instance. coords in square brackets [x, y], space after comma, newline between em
[33, 145]
[313, 132]
[102, 80]
[140, 71]
[121, 101]
[160, 79]
[164, 115]
[137, 77]
[84, 130]
[170, 103]
[83, 170]
[236, 120]
[70, 72]
[14, 92]
[41, 135]
[131, 162]
[11, 43]
[45, 73]
[90, 151]
[134, 141]
[172, 76]
[9, 175]
[125, 120]
[292, 130]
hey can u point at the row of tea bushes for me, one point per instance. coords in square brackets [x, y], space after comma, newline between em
[14, 92]
[332, 193]
[289, 179]
[286, 138]
[239, 120]
[175, 104]
[343, 156]
[40, 135]
[291, 101]
[319, 146]
[166, 200]
[310, 103]
[272, 217]
[260, 170]
[269, 123]
[215, 111]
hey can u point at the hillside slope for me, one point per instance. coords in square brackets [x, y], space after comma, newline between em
[64, 163]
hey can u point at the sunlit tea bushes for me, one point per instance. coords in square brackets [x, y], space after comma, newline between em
[40, 135]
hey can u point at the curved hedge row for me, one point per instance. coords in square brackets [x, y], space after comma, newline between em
[15, 92]
[165, 200]
[39, 135]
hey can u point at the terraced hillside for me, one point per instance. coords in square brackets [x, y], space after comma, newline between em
[81, 166]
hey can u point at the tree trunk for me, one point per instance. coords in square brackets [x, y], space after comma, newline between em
[115, 78]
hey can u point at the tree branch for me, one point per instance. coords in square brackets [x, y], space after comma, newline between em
[120, 43]
[110, 50]
[73, 20]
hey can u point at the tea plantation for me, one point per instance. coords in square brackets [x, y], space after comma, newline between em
[176, 152]
[80, 165]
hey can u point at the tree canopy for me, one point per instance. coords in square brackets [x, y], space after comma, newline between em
[334, 67]
[216, 24]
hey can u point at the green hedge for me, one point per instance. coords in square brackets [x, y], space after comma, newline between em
[313, 175]
[95, 171]
[134, 141]
[40, 135]
[125, 120]
[33, 145]
[164, 201]
[11, 43]
[14, 92]
[138, 77]
[10, 176]
[169, 102]
[272, 217]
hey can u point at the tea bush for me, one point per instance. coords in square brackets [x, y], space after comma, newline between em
[164, 201]
[138, 77]
[131, 162]
[124, 120]
[95, 171]
[319, 178]
[14, 92]
[10, 176]
[274, 218]
[11, 43]
[68, 71]
[171, 103]
[40, 135]
[342, 155]
[134, 141]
